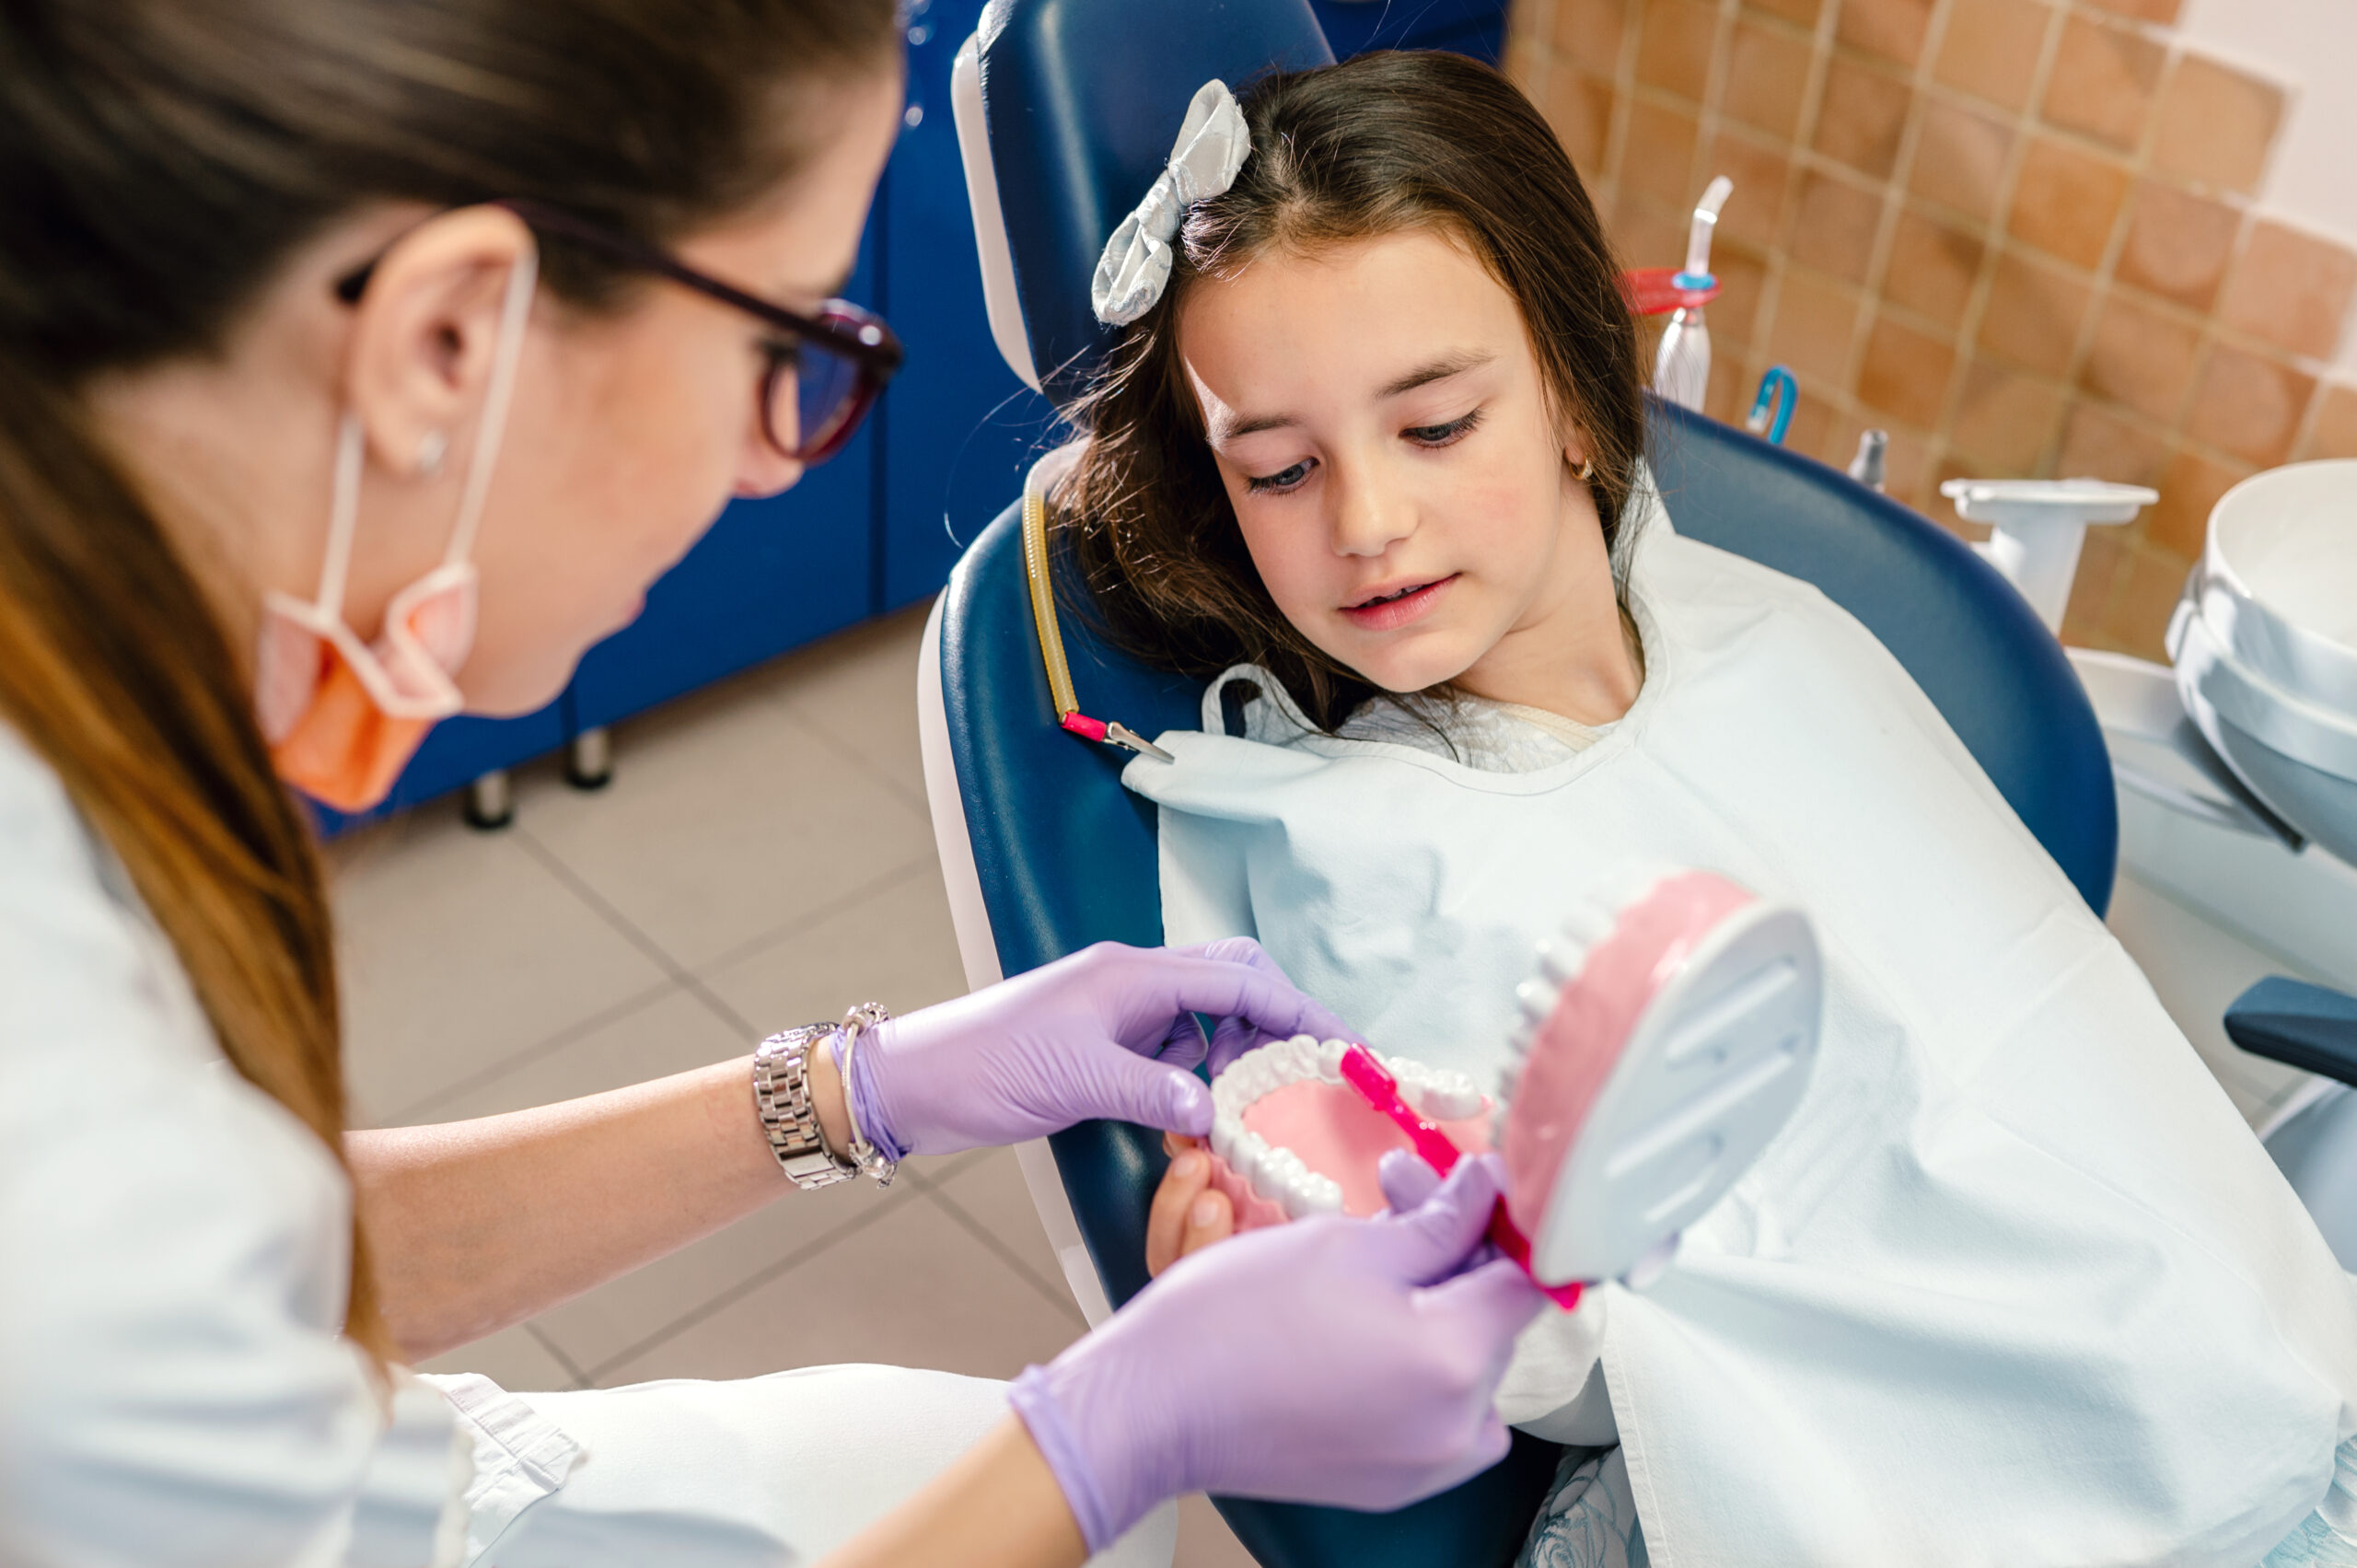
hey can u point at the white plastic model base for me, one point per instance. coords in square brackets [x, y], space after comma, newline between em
[1664, 1043]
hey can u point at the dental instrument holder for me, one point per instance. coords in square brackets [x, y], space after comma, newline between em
[1871, 462]
[1771, 406]
[2038, 526]
[1682, 369]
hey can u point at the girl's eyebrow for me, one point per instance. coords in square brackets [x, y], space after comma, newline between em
[1440, 369]
[1225, 430]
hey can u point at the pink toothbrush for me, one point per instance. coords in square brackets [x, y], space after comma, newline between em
[1381, 1090]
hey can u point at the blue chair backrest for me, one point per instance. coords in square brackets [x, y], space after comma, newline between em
[1083, 99]
[1971, 641]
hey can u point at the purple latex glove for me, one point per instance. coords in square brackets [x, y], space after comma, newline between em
[1106, 1032]
[1332, 1360]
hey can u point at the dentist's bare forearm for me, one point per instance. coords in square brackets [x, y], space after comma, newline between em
[473, 1226]
[998, 1506]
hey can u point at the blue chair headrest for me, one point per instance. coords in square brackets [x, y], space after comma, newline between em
[1066, 110]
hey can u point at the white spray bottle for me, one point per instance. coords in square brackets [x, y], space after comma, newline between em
[1682, 370]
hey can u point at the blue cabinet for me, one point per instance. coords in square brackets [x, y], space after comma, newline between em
[881, 524]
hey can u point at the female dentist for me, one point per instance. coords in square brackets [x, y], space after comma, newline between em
[361, 361]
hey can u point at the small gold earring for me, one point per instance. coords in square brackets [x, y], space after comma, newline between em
[429, 453]
[1587, 470]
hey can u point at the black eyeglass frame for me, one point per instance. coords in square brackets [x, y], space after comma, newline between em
[842, 327]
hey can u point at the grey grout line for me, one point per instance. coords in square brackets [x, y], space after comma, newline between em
[744, 1027]
[919, 1183]
[852, 746]
[681, 976]
[1058, 1296]
[598, 902]
[548, 1343]
[752, 1283]
[547, 1044]
[814, 915]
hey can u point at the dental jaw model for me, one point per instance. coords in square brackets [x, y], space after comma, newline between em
[1665, 1039]
[1289, 1139]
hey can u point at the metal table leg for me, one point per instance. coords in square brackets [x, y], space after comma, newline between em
[490, 800]
[589, 758]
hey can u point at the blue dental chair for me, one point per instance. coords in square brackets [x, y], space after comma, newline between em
[1066, 110]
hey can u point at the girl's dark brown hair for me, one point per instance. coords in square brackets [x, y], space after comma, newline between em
[1378, 145]
[160, 162]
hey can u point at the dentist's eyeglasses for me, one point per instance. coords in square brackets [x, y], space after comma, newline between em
[824, 371]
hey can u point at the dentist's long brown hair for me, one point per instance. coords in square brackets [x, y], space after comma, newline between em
[158, 162]
[1377, 144]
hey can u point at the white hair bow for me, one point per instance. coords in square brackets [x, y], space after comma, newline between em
[1135, 267]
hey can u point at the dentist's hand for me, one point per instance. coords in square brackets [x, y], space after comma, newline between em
[1106, 1032]
[1335, 1360]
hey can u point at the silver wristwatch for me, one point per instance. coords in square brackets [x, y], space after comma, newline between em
[781, 1095]
[790, 1118]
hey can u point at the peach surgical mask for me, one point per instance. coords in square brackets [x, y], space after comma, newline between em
[344, 716]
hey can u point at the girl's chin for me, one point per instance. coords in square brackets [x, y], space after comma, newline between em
[1405, 677]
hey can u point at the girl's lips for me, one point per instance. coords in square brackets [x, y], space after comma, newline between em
[1391, 614]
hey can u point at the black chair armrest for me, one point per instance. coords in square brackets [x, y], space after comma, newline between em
[2311, 1026]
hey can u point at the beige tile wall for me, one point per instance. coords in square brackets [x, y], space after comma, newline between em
[2019, 234]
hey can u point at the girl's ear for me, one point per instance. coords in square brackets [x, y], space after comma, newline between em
[1575, 455]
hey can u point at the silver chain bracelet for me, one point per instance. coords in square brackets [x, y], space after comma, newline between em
[864, 1154]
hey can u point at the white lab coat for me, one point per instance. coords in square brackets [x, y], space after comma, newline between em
[2015, 1286]
[174, 1392]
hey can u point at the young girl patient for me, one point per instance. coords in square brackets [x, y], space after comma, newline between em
[2015, 1285]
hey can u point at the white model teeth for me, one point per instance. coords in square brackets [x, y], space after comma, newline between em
[1562, 957]
[1438, 1094]
[1279, 1174]
[1251, 1156]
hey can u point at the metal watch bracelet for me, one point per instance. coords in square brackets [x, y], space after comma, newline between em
[789, 1117]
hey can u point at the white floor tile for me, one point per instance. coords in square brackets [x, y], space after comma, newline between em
[1204, 1539]
[728, 816]
[460, 950]
[620, 1318]
[860, 690]
[990, 1192]
[516, 1359]
[668, 1031]
[891, 944]
[913, 1287]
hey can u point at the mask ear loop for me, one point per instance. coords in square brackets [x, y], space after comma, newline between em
[343, 519]
[514, 310]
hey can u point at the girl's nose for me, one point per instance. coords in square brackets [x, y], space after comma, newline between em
[1368, 516]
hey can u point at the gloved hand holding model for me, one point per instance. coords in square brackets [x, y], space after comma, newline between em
[1339, 1361]
[1106, 1032]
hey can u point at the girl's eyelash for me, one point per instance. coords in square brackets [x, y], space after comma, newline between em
[1276, 482]
[1441, 435]
[1430, 435]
